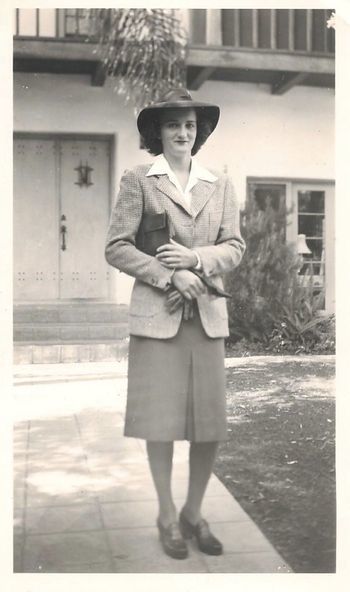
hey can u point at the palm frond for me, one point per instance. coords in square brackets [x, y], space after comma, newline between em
[144, 50]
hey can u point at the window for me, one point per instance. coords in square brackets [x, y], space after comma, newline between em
[77, 22]
[268, 193]
[311, 217]
[309, 225]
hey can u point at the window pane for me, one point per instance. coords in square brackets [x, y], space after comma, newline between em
[310, 267]
[47, 22]
[300, 29]
[264, 28]
[84, 23]
[27, 21]
[330, 35]
[77, 21]
[199, 25]
[71, 22]
[319, 30]
[282, 28]
[246, 27]
[228, 27]
[316, 247]
[265, 194]
[311, 201]
[310, 225]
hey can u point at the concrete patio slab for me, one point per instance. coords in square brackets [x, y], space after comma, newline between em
[138, 551]
[259, 562]
[84, 497]
[57, 519]
[64, 552]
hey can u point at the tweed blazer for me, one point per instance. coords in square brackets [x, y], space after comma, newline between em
[210, 226]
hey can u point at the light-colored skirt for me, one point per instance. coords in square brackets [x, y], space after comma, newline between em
[176, 387]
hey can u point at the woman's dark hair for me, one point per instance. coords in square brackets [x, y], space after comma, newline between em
[152, 142]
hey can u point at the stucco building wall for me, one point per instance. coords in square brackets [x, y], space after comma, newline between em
[259, 134]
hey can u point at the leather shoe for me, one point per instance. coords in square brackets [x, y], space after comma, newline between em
[172, 541]
[207, 542]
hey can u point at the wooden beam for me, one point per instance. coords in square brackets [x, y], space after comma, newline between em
[200, 55]
[237, 38]
[57, 21]
[219, 57]
[37, 22]
[309, 30]
[214, 27]
[198, 79]
[273, 29]
[286, 81]
[98, 77]
[325, 30]
[291, 29]
[56, 50]
[255, 28]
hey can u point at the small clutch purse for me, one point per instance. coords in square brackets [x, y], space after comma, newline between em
[153, 233]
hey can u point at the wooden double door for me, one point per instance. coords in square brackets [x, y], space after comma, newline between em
[61, 213]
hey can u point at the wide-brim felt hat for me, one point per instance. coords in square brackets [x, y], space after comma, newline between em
[178, 98]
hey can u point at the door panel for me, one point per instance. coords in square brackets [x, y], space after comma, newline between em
[83, 269]
[35, 215]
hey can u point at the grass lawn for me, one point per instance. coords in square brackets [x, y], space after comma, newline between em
[279, 460]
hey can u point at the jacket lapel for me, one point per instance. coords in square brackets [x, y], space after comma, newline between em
[201, 194]
[167, 187]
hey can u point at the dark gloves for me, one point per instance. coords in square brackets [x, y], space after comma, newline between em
[175, 300]
[212, 287]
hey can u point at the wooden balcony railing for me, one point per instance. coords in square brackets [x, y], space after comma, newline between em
[279, 47]
[53, 23]
[269, 29]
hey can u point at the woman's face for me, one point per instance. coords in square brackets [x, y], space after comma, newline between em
[178, 130]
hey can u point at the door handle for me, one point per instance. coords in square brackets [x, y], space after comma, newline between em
[63, 232]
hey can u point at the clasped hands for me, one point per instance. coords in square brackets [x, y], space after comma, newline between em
[187, 285]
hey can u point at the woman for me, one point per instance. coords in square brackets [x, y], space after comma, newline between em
[175, 228]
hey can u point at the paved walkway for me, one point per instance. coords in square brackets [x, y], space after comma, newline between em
[84, 500]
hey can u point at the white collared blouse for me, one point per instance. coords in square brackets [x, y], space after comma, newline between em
[197, 172]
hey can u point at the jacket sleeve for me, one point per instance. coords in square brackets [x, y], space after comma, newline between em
[120, 250]
[229, 249]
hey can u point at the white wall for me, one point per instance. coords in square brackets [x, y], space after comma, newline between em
[259, 134]
[69, 104]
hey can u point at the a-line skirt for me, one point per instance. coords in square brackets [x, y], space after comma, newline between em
[176, 387]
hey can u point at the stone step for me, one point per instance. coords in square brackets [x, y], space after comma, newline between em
[68, 332]
[71, 312]
[53, 353]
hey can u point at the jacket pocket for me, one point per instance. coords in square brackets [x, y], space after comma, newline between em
[219, 307]
[215, 218]
[146, 301]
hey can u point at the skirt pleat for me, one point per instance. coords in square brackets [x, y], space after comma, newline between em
[176, 387]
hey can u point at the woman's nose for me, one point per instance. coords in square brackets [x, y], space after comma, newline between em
[182, 131]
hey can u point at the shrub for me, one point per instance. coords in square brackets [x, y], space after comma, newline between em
[270, 304]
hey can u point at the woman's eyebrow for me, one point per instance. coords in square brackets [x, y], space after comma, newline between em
[177, 121]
